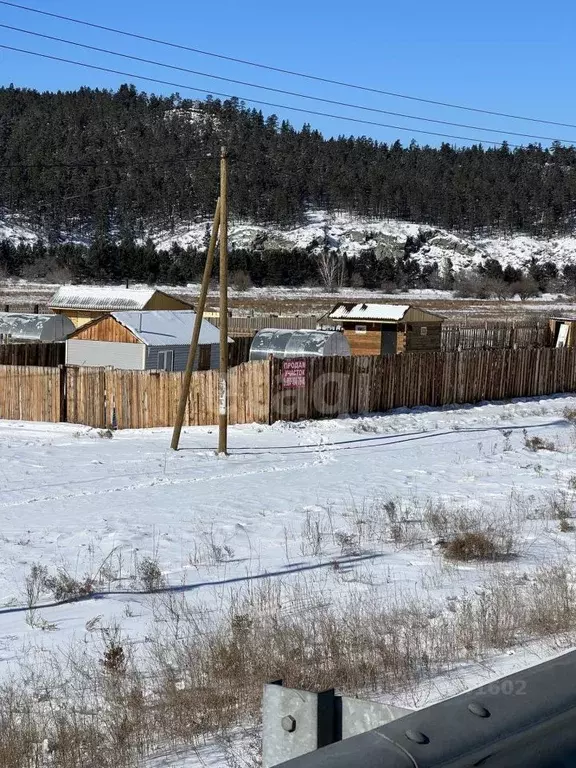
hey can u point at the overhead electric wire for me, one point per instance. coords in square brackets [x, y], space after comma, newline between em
[89, 192]
[283, 71]
[256, 101]
[282, 91]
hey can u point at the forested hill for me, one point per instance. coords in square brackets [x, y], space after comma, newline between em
[143, 161]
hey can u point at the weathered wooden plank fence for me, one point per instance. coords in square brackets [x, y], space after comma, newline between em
[247, 325]
[103, 397]
[259, 392]
[45, 354]
[456, 338]
[336, 386]
[239, 352]
[31, 393]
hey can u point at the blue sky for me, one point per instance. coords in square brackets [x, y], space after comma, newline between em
[509, 56]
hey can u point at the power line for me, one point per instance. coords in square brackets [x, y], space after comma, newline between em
[280, 90]
[86, 194]
[82, 194]
[255, 101]
[293, 73]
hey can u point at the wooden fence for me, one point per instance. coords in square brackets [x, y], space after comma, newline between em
[340, 385]
[247, 325]
[264, 392]
[31, 393]
[239, 352]
[101, 397]
[25, 307]
[46, 354]
[456, 337]
[495, 336]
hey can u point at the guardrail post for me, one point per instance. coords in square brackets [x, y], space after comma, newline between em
[294, 723]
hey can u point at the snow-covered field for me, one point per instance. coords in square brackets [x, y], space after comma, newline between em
[21, 295]
[290, 502]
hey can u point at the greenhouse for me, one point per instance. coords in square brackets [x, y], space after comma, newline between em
[284, 343]
[27, 327]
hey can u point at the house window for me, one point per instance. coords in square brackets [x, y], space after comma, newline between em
[360, 329]
[423, 331]
[166, 360]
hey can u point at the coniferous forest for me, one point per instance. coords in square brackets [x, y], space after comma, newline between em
[122, 162]
[145, 157]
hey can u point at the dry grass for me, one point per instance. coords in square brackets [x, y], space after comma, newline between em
[462, 532]
[560, 505]
[110, 702]
[536, 443]
[473, 545]
[477, 534]
[202, 674]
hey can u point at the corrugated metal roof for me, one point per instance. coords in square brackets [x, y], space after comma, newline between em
[392, 312]
[105, 298]
[29, 327]
[167, 328]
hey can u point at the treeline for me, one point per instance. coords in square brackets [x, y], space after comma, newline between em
[142, 160]
[105, 261]
[110, 262]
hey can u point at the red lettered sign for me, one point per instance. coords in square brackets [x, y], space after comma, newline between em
[293, 374]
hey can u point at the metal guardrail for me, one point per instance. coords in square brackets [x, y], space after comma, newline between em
[525, 720]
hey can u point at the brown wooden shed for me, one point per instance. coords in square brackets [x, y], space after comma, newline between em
[388, 329]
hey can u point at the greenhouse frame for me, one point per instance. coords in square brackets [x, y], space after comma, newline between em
[21, 327]
[283, 343]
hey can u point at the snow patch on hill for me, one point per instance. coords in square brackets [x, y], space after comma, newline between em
[387, 237]
[17, 231]
[349, 234]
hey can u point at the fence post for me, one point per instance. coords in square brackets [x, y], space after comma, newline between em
[271, 392]
[63, 416]
[110, 414]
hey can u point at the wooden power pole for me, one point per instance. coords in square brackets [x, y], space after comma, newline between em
[223, 374]
[196, 332]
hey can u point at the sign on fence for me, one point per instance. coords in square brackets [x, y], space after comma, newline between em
[293, 374]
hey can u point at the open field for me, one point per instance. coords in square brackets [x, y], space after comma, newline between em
[445, 516]
[22, 296]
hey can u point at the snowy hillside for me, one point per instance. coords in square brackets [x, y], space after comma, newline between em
[16, 230]
[349, 234]
[387, 237]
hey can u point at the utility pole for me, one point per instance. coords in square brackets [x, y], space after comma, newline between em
[223, 373]
[196, 332]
